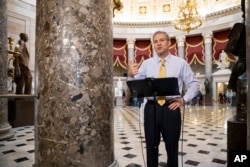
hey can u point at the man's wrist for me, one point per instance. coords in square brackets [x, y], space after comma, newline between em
[130, 74]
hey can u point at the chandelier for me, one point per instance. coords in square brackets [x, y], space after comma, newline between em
[117, 5]
[188, 17]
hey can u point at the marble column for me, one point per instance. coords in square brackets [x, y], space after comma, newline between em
[131, 48]
[247, 15]
[74, 115]
[5, 128]
[131, 56]
[208, 57]
[181, 49]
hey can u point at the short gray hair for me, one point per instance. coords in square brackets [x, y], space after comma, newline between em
[161, 32]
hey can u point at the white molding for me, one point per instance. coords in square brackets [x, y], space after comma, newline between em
[215, 21]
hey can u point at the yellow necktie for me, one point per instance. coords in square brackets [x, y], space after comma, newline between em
[162, 73]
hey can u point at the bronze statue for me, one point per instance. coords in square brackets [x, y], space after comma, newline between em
[117, 5]
[207, 86]
[22, 75]
[11, 40]
[238, 82]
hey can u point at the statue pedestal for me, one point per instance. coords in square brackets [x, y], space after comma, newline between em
[21, 111]
[236, 138]
[208, 100]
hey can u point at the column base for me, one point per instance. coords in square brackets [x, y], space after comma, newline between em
[114, 164]
[6, 132]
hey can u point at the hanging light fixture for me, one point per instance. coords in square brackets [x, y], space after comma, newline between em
[117, 5]
[188, 17]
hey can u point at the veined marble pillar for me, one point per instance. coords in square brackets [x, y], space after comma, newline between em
[74, 117]
[208, 55]
[247, 15]
[180, 42]
[5, 128]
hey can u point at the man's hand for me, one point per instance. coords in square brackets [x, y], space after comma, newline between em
[132, 68]
[176, 102]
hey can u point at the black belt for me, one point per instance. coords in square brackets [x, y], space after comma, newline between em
[155, 101]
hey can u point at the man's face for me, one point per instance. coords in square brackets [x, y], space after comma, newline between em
[161, 44]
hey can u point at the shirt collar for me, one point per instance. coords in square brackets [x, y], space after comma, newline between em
[167, 58]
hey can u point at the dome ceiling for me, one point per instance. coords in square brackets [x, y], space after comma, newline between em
[164, 10]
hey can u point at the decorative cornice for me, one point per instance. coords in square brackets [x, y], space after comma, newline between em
[224, 12]
[142, 24]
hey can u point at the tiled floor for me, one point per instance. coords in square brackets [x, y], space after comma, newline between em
[19, 150]
[204, 142]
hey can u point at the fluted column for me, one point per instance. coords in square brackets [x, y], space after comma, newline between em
[180, 43]
[208, 55]
[5, 128]
[131, 47]
[74, 117]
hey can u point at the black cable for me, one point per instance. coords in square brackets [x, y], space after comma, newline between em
[141, 133]
[155, 122]
[182, 129]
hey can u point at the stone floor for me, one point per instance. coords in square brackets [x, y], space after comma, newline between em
[203, 142]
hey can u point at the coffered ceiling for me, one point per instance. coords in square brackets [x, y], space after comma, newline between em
[165, 10]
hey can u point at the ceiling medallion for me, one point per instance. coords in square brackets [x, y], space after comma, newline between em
[188, 17]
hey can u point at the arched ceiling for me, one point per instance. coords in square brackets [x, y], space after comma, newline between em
[165, 10]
